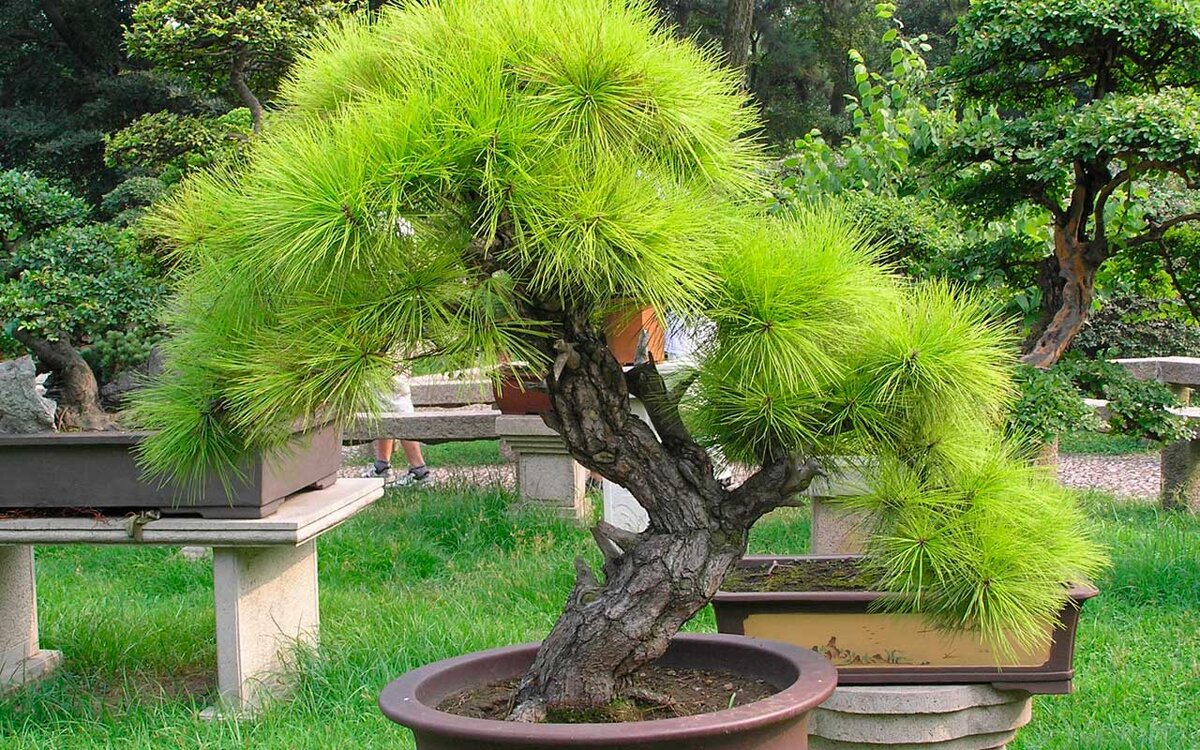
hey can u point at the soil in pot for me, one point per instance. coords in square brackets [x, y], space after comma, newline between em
[655, 693]
[832, 574]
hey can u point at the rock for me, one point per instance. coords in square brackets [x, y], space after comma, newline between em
[22, 408]
[112, 394]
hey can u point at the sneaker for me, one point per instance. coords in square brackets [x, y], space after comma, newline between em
[386, 474]
[410, 478]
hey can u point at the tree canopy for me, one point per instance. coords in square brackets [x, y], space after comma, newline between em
[245, 45]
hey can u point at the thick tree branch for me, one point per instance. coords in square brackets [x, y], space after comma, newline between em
[773, 486]
[238, 77]
[1158, 231]
[1185, 293]
[1038, 194]
[646, 383]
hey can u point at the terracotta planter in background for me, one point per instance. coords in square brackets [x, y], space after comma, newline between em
[779, 722]
[623, 328]
[97, 470]
[521, 391]
[875, 648]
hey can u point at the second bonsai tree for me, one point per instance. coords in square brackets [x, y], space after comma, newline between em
[477, 179]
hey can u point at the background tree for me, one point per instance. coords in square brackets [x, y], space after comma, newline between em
[1077, 102]
[478, 178]
[66, 283]
[739, 26]
[239, 45]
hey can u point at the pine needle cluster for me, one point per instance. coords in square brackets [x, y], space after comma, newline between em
[441, 171]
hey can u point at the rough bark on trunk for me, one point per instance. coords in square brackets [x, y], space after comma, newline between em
[654, 581]
[79, 400]
[739, 25]
[1070, 297]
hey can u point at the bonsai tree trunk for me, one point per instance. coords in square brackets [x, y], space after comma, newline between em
[1078, 253]
[653, 582]
[79, 404]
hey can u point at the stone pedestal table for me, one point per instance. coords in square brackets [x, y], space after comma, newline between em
[264, 584]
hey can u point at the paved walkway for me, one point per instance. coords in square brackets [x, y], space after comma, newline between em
[1128, 476]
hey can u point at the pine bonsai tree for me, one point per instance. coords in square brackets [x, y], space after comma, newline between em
[477, 178]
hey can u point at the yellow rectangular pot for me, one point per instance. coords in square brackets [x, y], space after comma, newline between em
[876, 648]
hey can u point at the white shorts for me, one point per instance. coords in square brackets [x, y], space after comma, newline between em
[400, 399]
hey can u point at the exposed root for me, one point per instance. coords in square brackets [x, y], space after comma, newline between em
[532, 711]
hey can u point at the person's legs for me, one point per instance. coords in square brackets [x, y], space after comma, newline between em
[383, 450]
[412, 453]
[416, 463]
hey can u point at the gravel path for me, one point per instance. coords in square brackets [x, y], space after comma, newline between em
[1128, 476]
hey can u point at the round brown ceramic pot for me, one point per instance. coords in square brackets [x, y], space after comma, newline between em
[804, 679]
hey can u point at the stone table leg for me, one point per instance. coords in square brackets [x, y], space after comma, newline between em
[266, 603]
[1180, 469]
[21, 660]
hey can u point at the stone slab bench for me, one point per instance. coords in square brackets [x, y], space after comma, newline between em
[264, 584]
[429, 425]
[1180, 372]
[1180, 465]
[451, 390]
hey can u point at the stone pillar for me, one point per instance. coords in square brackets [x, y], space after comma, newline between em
[1180, 469]
[919, 717]
[835, 529]
[546, 472]
[266, 605]
[21, 659]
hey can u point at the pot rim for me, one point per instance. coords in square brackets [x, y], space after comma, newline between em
[1078, 592]
[815, 683]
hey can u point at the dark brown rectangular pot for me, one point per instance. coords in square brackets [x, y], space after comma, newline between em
[876, 648]
[97, 470]
[778, 722]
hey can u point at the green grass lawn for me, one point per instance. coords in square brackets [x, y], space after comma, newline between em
[1103, 444]
[425, 575]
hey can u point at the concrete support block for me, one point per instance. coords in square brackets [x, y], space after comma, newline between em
[546, 472]
[1180, 468]
[621, 508]
[836, 530]
[266, 605]
[21, 659]
[919, 717]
